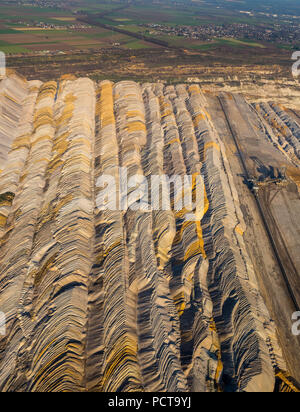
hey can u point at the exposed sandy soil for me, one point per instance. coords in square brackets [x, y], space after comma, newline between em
[284, 211]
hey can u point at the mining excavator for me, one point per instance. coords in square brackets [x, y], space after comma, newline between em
[268, 176]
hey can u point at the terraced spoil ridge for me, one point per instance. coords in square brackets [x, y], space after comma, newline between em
[123, 300]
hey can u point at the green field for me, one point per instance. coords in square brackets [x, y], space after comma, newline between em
[240, 43]
[11, 49]
[137, 45]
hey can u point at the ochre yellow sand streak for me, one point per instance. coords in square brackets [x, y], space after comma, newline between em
[61, 142]
[39, 375]
[200, 239]
[294, 175]
[194, 89]
[207, 114]
[281, 375]
[165, 108]
[119, 358]
[2, 221]
[211, 144]
[104, 253]
[68, 76]
[197, 119]
[68, 109]
[21, 141]
[47, 90]
[106, 105]
[179, 301]
[239, 230]
[7, 96]
[216, 344]
[179, 234]
[173, 141]
[198, 222]
[198, 247]
[43, 351]
[137, 126]
[207, 146]
[135, 113]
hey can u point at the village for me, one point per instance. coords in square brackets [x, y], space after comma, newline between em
[289, 32]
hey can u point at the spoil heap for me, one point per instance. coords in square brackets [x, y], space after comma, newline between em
[116, 299]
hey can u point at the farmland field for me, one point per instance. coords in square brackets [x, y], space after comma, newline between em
[25, 29]
[157, 39]
[60, 28]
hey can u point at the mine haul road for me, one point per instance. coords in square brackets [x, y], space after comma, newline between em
[277, 282]
[281, 253]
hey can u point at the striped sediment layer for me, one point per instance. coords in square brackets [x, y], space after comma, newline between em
[116, 299]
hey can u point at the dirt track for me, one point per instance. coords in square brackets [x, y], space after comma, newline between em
[281, 295]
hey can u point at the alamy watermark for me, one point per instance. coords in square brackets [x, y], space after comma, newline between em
[2, 64]
[2, 324]
[160, 192]
[296, 65]
[296, 324]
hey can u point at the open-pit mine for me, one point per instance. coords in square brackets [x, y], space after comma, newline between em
[111, 300]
